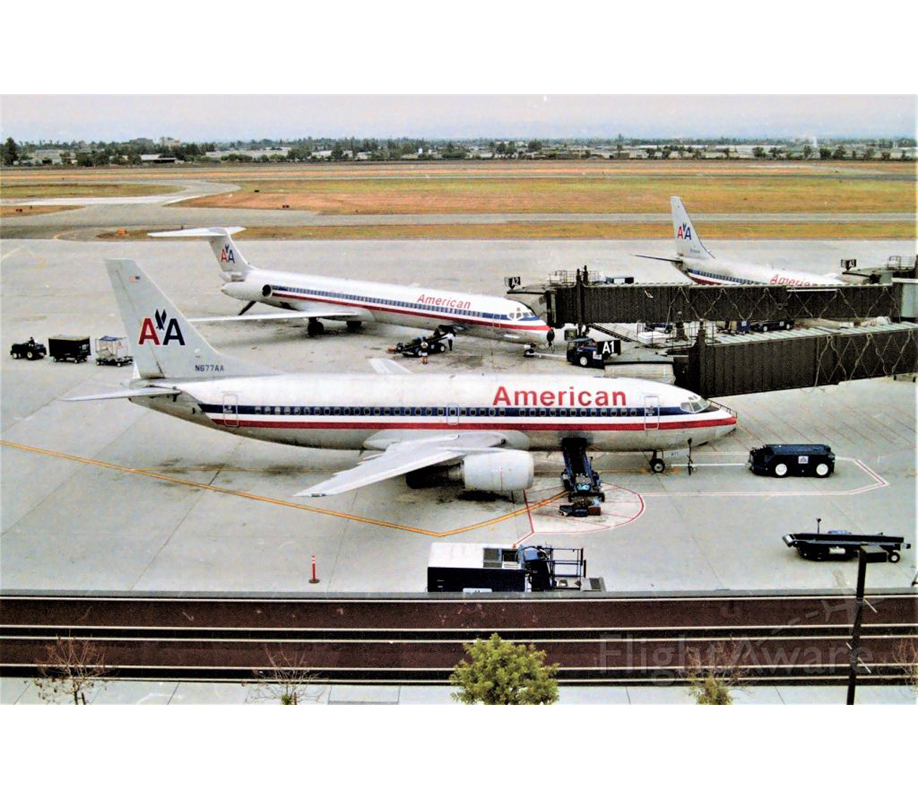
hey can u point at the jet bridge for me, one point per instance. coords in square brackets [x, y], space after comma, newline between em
[581, 301]
[796, 359]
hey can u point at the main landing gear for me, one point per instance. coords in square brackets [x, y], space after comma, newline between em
[354, 325]
[316, 328]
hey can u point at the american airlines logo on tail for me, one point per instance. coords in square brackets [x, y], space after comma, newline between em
[684, 232]
[150, 330]
[226, 255]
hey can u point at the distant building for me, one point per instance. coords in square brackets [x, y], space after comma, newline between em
[166, 141]
[255, 155]
[45, 157]
[156, 158]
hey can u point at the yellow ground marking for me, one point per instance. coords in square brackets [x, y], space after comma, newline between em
[275, 501]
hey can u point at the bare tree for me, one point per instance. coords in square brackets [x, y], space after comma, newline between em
[907, 658]
[288, 680]
[714, 673]
[71, 668]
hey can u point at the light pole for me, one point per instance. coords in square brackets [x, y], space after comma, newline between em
[867, 554]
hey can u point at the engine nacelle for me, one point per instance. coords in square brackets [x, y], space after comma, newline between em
[500, 471]
[247, 290]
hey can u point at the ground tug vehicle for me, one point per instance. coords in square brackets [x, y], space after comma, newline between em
[803, 460]
[30, 350]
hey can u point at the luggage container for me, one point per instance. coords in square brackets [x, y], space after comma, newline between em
[69, 348]
[112, 351]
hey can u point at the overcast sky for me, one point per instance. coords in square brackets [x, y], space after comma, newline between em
[228, 117]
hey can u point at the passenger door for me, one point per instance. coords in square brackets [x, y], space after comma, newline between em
[651, 412]
[231, 409]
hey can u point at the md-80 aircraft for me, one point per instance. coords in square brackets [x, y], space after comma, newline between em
[482, 427]
[695, 261]
[318, 298]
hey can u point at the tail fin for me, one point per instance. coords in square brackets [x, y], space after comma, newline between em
[164, 344]
[688, 243]
[232, 263]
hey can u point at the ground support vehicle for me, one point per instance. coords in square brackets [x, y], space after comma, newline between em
[843, 545]
[30, 350]
[422, 346]
[69, 348]
[587, 352]
[112, 351]
[781, 460]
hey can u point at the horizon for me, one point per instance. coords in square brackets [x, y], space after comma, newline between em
[231, 118]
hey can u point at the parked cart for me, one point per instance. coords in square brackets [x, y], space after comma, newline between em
[30, 350]
[112, 351]
[69, 348]
[843, 544]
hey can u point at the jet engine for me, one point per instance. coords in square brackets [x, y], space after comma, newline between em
[497, 471]
[500, 471]
[247, 290]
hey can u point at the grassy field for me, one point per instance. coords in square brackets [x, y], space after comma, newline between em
[572, 230]
[26, 211]
[34, 191]
[413, 169]
[626, 193]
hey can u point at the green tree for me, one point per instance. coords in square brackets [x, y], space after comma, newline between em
[825, 153]
[839, 153]
[501, 673]
[10, 152]
[758, 152]
[534, 145]
[807, 150]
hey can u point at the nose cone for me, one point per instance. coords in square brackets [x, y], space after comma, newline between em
[728, 422]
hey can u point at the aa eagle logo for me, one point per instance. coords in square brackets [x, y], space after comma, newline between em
[226, 255]
[160, 330]
[684, 232]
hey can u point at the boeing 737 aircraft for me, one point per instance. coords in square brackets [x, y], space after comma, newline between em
[695, 261]
[315, 298]
[480, 426]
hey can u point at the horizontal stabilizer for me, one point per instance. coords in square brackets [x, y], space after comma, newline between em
[676, 261]
[258, 317]
[196, 233]
[386, 366]
[149, 391]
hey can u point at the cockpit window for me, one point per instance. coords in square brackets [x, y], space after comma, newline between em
[695, 406]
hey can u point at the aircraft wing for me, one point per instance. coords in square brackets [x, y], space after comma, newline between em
[386, 366]
[305, 312]
[404, 457]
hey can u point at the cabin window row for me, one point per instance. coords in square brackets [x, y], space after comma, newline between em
[461, 312]
[440, 411]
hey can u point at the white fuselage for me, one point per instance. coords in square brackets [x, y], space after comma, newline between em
[718, 272]
[472, 314]
[532, 412]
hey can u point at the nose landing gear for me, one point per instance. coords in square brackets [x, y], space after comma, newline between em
[657, 465]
